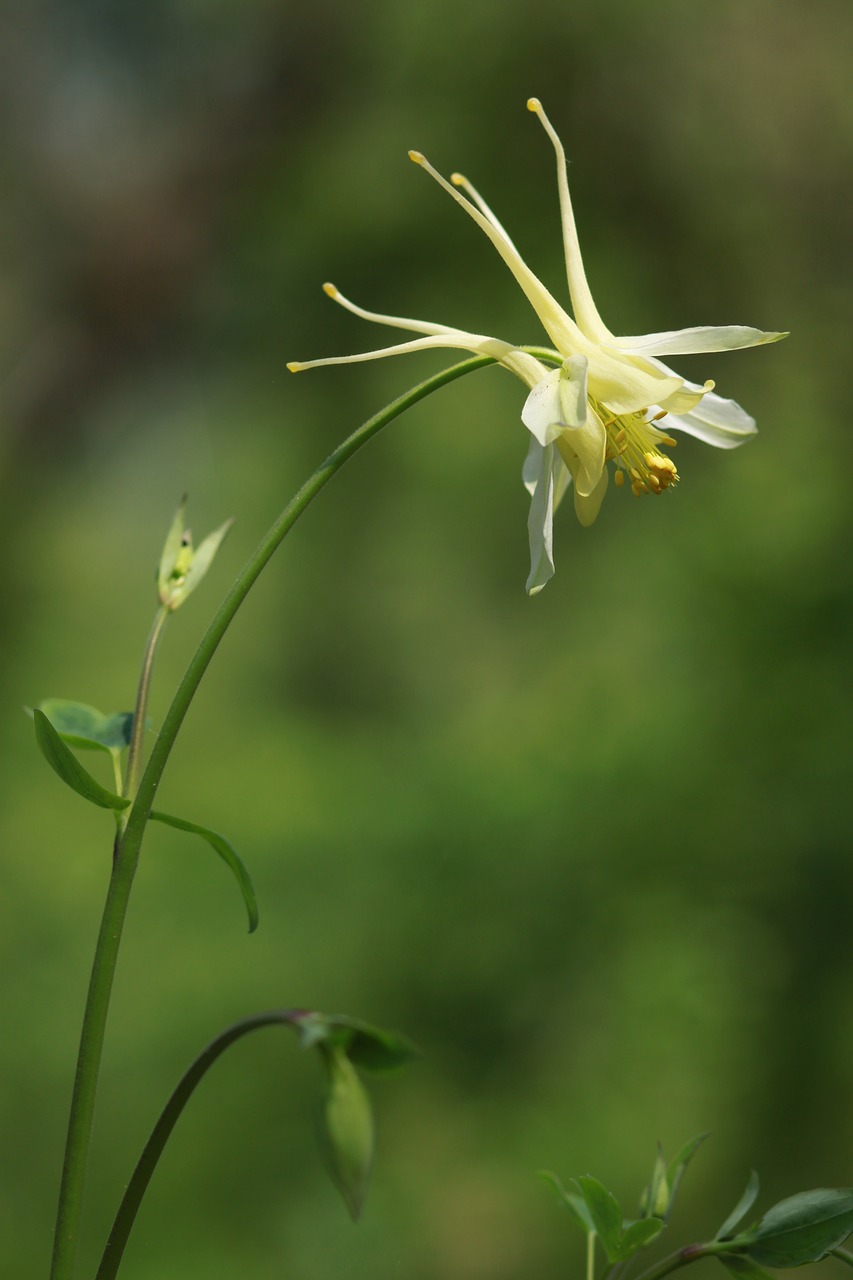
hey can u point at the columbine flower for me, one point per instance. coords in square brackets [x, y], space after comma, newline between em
[608, 399]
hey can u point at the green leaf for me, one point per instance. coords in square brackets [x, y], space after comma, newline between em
[70, 770]
[741, 1209]
[678, 1167]
[605, 1213]
[637, 1235]
[575, 1204]
[227, 853]
[802, 1228]
[685, 1155]
[368, 1047]
[346, 1132]
[742, 1268]
[86, 727]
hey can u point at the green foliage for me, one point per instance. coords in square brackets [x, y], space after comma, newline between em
[227, 853]
[368, 1047]
[66, 765]
[803, 1228]
[741, 1209]
[597, 1211]
[87, 728]
[345, 1129]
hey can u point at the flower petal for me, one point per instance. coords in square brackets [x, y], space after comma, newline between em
[588, 505]
[559, 400]
[586, 312]
[583, 450]
[560, 327]
[697, 340]
[525, 366]
[722, 423]
[546, 478]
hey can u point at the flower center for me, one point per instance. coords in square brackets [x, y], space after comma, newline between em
[634, 445]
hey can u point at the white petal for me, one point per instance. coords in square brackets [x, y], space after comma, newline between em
[541, 412]
[722, 423]
[583, 450]
[573, 390]
[697, 340]
[546, 479]
[626, 383]
[558, 401]
[587, 506]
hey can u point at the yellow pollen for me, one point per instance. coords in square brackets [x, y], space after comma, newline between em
[634, 444]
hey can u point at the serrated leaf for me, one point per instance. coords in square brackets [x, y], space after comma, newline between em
[802, 1228]
[86, 727]
[227, 853]
[637, 1235]
[575, 1204]
[66, 765]
[741, 1209]
[371, 1048]
[346, 1132]
[605, 1212]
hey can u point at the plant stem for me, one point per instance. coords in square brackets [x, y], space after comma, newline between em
[129, 840]
[140, 711]
[136, 1188]
[681, 1258]
[843, 1255]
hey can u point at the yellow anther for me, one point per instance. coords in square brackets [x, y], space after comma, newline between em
[533, 104]
[294, 366]
[619, 479]
[417, 157]
[634, 443]
[330, 289]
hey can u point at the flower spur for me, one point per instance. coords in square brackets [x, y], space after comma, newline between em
[594, 397]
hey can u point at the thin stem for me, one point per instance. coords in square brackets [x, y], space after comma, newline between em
[689, 1253]
[843, 1255]
[129, 841]
[590, 1255]
[147, 1163]
[140, 711]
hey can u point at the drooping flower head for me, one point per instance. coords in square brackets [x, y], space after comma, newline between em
[594, 398]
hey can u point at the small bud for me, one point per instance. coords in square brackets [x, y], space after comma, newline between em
[181, 567]
[346, 1130]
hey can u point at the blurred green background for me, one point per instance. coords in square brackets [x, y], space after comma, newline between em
[591, 851]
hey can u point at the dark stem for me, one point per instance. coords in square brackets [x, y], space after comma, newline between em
[147, 1163]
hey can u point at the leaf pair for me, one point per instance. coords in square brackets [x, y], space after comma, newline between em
[58, 722]
[598, 1213]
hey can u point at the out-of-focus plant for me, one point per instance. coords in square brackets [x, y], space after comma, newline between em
[593, 399]
[807, 1227]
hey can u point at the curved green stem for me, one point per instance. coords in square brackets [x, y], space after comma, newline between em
[843, 1255]
[129, 841]
[147, 1163]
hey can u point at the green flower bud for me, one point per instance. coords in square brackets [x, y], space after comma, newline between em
[346, 1129]
[181, 567]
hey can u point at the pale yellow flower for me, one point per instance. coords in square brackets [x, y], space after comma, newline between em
[593, 398]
